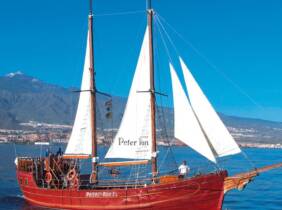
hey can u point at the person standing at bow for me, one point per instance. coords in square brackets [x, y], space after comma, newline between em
[183, 169]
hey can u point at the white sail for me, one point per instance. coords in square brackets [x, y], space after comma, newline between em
[217, 134]
[80, 142]
[186, 126]
[134, 137]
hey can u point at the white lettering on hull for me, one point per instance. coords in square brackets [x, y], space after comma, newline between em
[100, 194]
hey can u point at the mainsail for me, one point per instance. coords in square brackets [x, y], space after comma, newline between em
[80, 142]
[134, 137]
[186, 126]
[220, 140]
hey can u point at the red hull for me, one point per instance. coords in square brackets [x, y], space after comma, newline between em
[203, 192]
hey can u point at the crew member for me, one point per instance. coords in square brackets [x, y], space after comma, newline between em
[59, 153]
[47, 153]
[183, 169]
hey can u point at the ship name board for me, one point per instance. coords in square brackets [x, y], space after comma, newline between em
[100, 194]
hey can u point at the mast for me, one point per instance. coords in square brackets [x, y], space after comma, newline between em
[150, 14]
[94, 173]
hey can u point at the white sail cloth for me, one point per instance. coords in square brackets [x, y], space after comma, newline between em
[80, 142]
[219, 138]
[134, 137]
[186, 126]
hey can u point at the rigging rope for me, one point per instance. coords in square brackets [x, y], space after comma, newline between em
[161, 116]
[158, 21]
[123, 70]
[120, 13]
[15, 149]
[166, 47]
[213, 66]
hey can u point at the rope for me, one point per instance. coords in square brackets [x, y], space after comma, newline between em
[248, 159]
[160, 112]
[168, 54]
[120, 13]
[167, 35]
[124, 68]
[213, 66]
[166, 48]
[15, 149]
[164, 43]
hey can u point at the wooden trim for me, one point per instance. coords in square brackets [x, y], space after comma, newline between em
[239, 181]
[124, 163]
[76, 156]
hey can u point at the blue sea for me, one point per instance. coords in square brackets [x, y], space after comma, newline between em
[264, 193]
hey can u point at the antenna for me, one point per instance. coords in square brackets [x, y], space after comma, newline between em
[149, 4]
[90, 7]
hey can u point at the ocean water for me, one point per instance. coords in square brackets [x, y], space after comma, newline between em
[264, 193]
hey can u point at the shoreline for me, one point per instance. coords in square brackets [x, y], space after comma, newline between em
[242, 145]
[260, 145]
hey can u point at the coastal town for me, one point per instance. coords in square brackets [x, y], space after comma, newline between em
[33, 132]
[56, 133]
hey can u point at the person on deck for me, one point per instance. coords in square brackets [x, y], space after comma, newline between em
[59, 152]
[47, 153]
[183, 169]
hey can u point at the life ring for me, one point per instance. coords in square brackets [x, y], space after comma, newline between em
[48, 177]
[71, 174]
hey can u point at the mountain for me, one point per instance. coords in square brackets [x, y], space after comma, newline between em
[249, 130]
[24, 98]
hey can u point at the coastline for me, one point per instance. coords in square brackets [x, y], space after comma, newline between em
[242, 145]
[260, 145]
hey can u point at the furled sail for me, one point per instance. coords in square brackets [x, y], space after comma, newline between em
[80, 143]
[186, 126]
[220, 139]
[134, 137]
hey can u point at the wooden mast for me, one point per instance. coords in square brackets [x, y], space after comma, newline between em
[150, 14]
[94, 173]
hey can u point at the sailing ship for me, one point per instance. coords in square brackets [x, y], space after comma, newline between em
[58, 182]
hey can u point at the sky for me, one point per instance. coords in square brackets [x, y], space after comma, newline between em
[233, 48]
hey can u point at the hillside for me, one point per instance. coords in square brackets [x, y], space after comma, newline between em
[24, 98]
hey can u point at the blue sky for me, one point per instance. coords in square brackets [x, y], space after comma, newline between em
[238, 45]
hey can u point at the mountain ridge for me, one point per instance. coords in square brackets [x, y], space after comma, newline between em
[24, 98]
